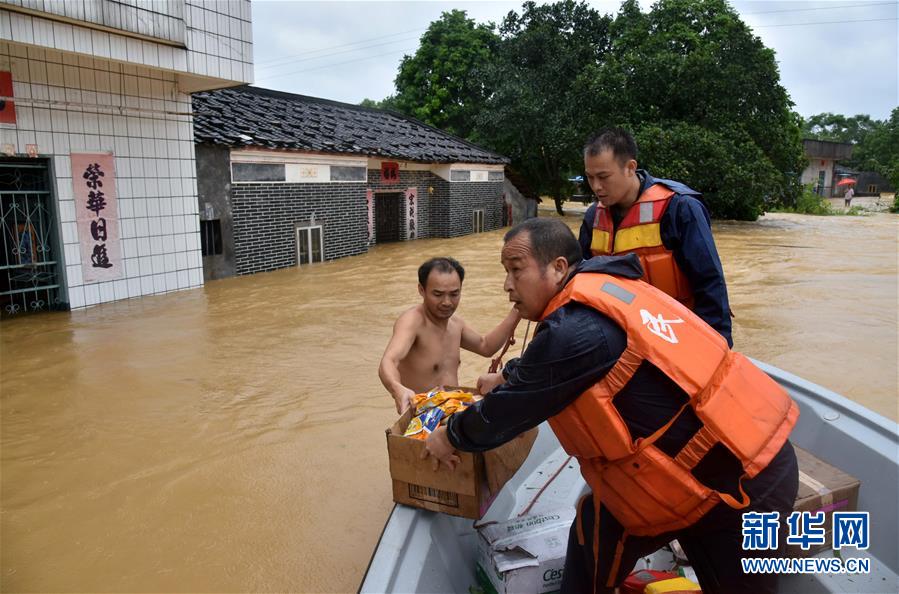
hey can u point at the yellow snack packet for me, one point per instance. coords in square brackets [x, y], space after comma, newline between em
[436, 397]
[415, 428]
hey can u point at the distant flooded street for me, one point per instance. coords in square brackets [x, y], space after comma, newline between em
[231, 438]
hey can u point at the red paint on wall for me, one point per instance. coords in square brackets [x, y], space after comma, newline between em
[7, 107]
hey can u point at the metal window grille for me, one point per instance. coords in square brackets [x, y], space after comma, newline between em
[211, 237]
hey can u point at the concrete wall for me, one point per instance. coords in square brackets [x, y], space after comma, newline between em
[810, 173]
[214, 195]
[522, 208]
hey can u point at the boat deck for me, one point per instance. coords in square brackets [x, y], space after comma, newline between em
[423, 551]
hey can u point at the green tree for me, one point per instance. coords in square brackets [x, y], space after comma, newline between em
[385, 103]
[439, 85]
[838, 128]
[703, 97]
[534, 114]
[879, 149]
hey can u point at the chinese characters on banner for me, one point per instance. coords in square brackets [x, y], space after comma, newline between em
[370, 205]
[97, 215]
[390, 172]
[411, 196]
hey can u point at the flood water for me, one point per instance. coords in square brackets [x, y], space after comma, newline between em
[231, 438]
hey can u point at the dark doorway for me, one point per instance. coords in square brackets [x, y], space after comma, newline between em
[388, 217]
[29, 260]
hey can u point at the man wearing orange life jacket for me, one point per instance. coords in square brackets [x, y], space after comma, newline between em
[675, 434]
[660, 220]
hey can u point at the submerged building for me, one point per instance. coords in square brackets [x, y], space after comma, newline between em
[98, 185]
[286, 180]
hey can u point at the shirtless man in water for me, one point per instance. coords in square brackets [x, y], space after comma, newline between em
[424, 349]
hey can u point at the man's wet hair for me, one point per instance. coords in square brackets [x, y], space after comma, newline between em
[550, 238]
[617, 140]
[442, 264]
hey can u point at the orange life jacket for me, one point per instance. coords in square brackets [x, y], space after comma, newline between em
[740, 407]
[639, 232]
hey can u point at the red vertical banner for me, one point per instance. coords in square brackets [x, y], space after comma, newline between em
[7, 106]
[370, 205]
[411, 196]
[97, 216]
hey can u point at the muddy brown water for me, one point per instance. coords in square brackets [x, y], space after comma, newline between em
[230, 438]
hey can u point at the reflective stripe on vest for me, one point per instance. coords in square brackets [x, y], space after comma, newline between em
[640, 232]
[740, 407]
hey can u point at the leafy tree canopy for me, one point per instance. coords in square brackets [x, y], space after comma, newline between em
[440, 85]
[838, 128]
[703, 97]
[385, 103]
[698, 89]
[535, 111]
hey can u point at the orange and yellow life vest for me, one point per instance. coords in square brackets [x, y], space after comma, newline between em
[739, 406]
[639, 232]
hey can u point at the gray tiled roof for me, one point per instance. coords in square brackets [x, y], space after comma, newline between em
[248, 116]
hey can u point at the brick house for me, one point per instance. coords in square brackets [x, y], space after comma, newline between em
[286, 179]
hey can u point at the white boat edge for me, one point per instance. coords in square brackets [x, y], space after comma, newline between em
[421, 551]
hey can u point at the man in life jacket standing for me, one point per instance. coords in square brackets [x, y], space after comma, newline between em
[423, 352]
[660, 220]
[676, 434]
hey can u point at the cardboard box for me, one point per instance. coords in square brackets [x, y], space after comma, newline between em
[822, 487]
[524, 555]
[466, 491]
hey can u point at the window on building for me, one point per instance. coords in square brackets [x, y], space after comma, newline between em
[347, 173]
[819, 189]
[872, 189]
[477, 220]
[258, 172]
[211, 237]
[310, 246]
[460, 175]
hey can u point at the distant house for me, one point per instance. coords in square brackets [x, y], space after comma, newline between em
[871, 183]
[822, 155]
[286, 180]
[867, 183]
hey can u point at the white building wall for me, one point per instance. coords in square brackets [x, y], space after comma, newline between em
[139, 115]
[812, 171]
[220, 37]
[82, 89]
[157, 19]
[218, 51]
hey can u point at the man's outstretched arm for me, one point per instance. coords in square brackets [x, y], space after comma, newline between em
[488, 344]
[404, 330]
